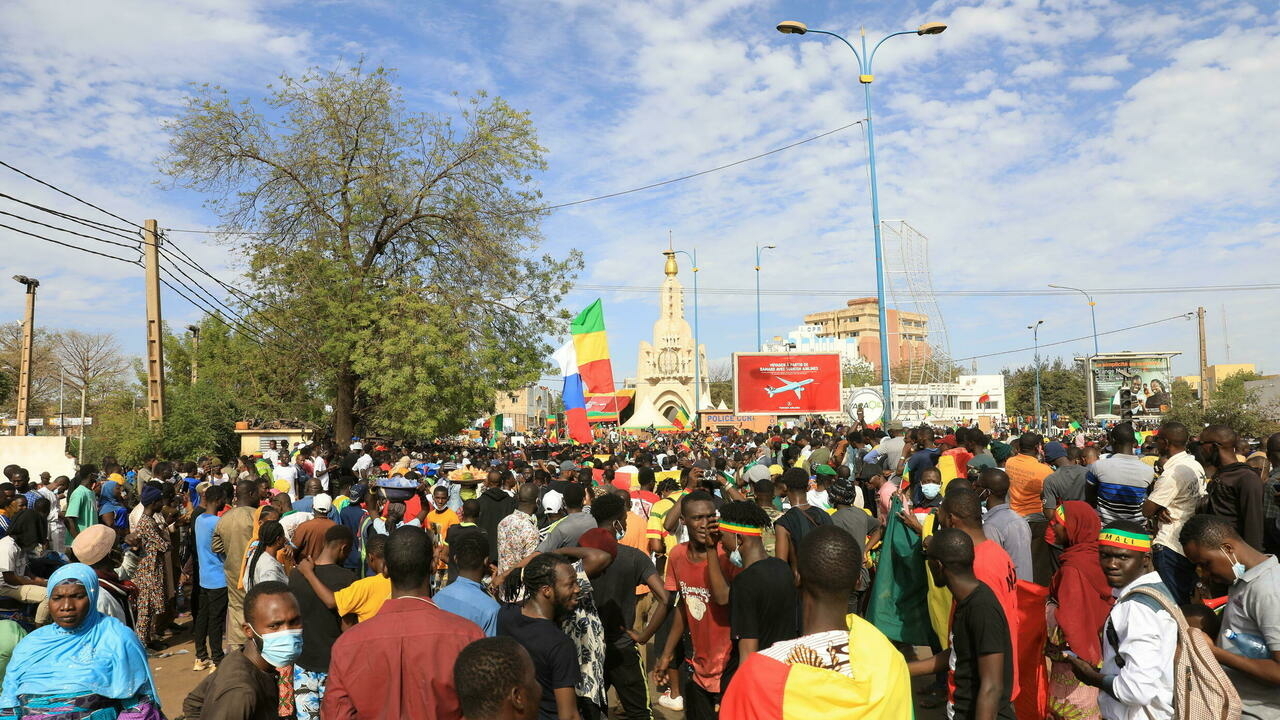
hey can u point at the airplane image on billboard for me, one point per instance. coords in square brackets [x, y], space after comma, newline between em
[787, 383]
[795, 387]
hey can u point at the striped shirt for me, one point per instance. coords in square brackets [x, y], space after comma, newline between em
[1122, 482]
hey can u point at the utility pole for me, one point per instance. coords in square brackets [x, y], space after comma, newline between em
[24, 372]
[155, 330]
[84, 394]
[1204, 363]
[195, 352]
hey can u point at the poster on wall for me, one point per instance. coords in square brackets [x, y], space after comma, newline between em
[787, 383]
[1130, 385]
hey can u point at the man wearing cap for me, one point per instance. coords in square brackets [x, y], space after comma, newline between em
[93, 547]
[1138, 640]
[309, 537]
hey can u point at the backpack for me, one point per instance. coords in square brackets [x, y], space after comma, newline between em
[1201, 690]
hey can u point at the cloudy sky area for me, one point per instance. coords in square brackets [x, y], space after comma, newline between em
[1104, 144]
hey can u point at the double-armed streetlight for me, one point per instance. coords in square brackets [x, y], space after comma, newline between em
[759, 340]
[794, 27]
[1035, 338]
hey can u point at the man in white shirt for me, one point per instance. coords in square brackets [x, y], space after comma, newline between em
[891, 447]
[285, 476]
[271, 454]
[363, 463]
[321, 467]
[1172, 502]
[1138, 640]
[49, 490]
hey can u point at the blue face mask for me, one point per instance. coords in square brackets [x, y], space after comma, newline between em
[281, 648]
[735, 557]
[1237, 567]
[930, 490]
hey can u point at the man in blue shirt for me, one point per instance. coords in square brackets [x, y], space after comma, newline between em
[466, 596]
[211, 611]
[924, 457]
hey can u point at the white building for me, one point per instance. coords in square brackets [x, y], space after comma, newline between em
[966, 400]
[806, 339]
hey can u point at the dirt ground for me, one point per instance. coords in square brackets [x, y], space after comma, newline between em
[175, 678]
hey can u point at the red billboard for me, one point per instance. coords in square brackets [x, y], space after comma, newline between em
[787, 383]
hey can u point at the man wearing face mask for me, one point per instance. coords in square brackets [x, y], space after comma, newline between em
[246, 683]
[1002, 524]
[1235, 491]
[614, 592]
[1248, 645]
[763, 603]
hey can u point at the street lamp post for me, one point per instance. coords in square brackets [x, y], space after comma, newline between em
[697, 348]
[794, 27]
[1035, 337]
[1092, 315]
[195, 352]
[24, 362]
[759, 340]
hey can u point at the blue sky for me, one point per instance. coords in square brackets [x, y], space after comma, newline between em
[1094, 143]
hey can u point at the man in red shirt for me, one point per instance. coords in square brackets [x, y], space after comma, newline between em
[399, 664]
[962, 509]
[700, 570]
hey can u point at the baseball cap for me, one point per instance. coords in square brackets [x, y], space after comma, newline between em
[895, 425]
[775, 470]
[552, 502]
[322, 503]
[568, 465]
[93, 543]
[1053, 451]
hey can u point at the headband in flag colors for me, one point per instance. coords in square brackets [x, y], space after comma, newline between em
[1062, 513]
[1125, 540]
[741, 529]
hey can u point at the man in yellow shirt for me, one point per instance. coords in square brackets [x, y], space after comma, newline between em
[362, 598]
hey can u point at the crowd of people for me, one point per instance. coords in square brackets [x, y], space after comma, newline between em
[755, 575]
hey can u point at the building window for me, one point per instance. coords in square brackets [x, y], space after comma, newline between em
[966, 404]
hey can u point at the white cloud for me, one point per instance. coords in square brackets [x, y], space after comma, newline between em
[1093, 82]
[1108, 64]
[1038, 69]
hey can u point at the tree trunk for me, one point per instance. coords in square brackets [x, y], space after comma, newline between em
[344, 418]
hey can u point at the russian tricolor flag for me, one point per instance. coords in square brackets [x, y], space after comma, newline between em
[575, 401]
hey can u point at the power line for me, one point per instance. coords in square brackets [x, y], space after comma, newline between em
[69, 245]
[650, 186]
[72, 232]
[94, 224]
[191, 262]
[234, 317]
[78, 199]
[951, 293]
[1183, 316]
[206, 310]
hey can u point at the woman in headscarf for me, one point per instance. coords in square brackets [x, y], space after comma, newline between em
[84, 665]
[1080, 599]
[263, 515]
[110, 511]
[149, 577]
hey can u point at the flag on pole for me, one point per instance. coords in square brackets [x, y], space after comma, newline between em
[592, 347]
[984, 397]
[681, 419]
[575, 403]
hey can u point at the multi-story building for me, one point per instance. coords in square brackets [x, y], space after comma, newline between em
[1215, 374]
[524, 409]
[858, 323]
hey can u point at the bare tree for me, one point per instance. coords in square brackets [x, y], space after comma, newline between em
[44, 365]
[90, 361]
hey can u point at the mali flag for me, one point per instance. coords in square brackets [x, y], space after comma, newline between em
[681, 420]
[768, 689]
[592, 347]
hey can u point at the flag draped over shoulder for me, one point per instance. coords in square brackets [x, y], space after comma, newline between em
[880, 687]
[575, 403]
[898, 605]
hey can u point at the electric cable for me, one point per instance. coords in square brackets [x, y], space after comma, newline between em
[69, 245]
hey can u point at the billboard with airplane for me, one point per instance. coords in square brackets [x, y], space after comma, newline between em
[787, 383]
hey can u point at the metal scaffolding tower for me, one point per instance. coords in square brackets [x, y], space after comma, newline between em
[910, 287]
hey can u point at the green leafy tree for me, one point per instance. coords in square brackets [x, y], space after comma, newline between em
[720, 383]
[393, 264]
[1062, 389]
[1229, 404]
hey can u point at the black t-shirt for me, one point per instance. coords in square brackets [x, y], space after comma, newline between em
[764, 605]
[320, 625]
[555, 659]
[453, 535]
[979, 628]
[801, 522]
[615, 593]
[237, 690]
